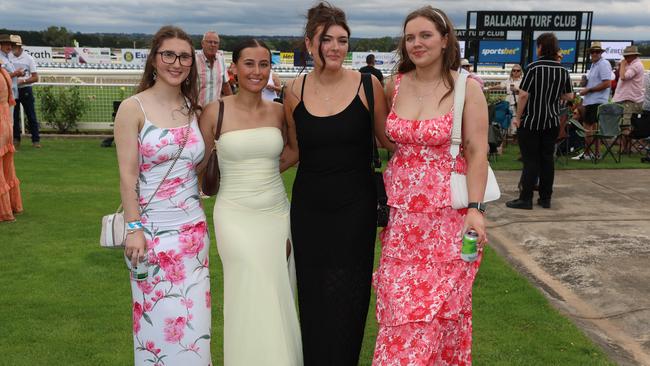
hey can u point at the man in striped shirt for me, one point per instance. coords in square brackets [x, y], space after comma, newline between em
[211, 69]
[537, 120]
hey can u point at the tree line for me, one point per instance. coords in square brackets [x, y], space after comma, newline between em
[55, 36]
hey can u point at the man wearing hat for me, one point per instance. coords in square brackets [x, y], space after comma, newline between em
[630, 89]
[6, 45]
[466, 67]
[594, 93]
[23, 60]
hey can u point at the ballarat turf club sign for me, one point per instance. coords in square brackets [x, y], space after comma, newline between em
[539, 20]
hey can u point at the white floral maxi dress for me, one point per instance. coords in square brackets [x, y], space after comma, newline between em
[171, 309]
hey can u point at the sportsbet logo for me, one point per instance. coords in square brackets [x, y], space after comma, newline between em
[500, 51]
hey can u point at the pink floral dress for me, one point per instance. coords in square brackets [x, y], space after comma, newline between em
[424, 289]
[171, 309]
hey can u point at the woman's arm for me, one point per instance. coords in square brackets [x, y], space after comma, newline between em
[128, 122]
[381, 111]
[208, 127]
[290, 154]
[475, 149]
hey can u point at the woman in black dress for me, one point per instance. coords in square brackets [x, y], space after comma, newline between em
[333, 207]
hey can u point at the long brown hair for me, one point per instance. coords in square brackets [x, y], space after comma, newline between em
[326, 15]
[190, 89]
[450, 54]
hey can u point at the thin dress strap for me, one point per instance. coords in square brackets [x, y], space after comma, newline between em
[398, 79]
[302, 90]
[361, 82]
[141, 106]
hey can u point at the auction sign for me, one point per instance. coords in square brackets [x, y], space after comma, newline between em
[499, 52]
[537, 20]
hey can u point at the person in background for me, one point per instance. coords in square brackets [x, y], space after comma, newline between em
[545, 83]
[466, 67]
[272, 88]
[153, 129]
[6, 48]
[10, 200]
[424, 288]
[23, 60]
[328, 119]
[211, 69]
[511, 87]
[370, 68]
[594, 93]
[630, 90]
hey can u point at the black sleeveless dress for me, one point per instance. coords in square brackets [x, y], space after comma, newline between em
[333, 225]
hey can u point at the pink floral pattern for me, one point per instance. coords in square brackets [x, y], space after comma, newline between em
[424, 289]
[171, 314]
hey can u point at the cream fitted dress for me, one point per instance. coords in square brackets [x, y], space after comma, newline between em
[251, 219]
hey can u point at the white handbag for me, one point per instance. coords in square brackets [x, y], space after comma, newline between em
[458, 182]
[113, 230]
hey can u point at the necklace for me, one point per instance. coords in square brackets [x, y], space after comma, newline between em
[327, 98]
[420, 97]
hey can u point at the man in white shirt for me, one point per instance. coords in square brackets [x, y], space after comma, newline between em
[23, 60]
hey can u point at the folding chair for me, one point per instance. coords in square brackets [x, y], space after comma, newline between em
[609, 129]
[502, 116]
[640, 132]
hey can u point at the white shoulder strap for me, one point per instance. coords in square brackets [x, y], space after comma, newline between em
[141, 106]
[459, 102]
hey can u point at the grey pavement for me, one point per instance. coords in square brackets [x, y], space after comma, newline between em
[589, 253]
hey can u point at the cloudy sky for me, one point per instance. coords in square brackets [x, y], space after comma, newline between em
[613, 19]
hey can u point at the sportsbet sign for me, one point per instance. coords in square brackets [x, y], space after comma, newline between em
[499, 52]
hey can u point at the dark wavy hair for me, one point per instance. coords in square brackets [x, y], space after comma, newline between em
[189, 90]
[326, 15]
[248, 43]
[450, 54]
[550, 45]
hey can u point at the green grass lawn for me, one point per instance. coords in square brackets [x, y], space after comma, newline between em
[66, 301]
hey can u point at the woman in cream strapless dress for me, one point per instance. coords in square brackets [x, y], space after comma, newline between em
[251, 219]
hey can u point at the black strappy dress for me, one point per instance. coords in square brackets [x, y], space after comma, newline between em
[333, 225]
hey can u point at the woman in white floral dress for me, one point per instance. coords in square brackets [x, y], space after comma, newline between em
[171, 307]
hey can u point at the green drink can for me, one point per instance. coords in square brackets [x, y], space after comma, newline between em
[468, 251]
[141, 271]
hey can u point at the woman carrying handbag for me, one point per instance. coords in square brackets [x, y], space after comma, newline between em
[158, 147]
[424, 288]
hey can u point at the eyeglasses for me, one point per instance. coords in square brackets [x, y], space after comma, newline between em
[170, 57]
[516, 70]
[215, 43]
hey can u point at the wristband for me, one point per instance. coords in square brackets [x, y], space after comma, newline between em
[134, 225]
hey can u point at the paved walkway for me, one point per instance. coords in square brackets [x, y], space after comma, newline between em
[589, 253]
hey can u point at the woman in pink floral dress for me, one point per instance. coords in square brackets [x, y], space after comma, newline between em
[171, 308]
[424, 289]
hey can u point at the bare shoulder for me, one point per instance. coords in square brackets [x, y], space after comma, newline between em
[473, 89]
[129, 113]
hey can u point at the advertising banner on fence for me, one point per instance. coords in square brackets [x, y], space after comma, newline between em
[134, 56]
[383, 60]
[40, 54]
[286, 58]
[499, 52]
[614, 49]
[568, 49]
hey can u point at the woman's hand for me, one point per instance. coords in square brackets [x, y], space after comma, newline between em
[136, 247]
[476, 221]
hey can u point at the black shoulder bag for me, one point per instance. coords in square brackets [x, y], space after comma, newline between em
[382, 199]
